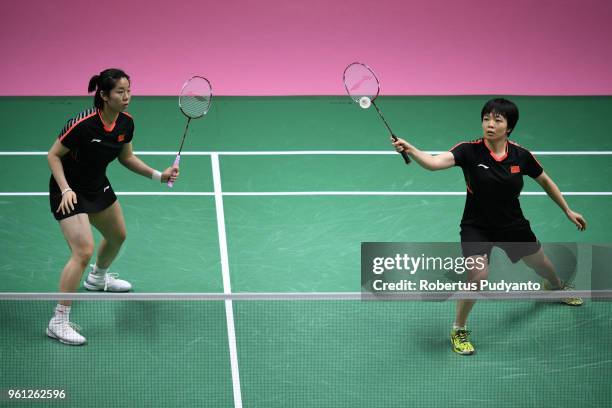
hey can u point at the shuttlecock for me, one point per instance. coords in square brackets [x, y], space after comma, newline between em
[365, 102]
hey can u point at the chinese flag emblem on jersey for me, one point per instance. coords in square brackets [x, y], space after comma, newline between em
[120, 138]
[515, 169]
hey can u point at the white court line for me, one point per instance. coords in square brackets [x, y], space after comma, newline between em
[227, 287]
[319, 152]
[312, 193]
[399, 193]
[165, 193]
[120, 193]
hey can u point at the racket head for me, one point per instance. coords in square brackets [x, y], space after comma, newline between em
[195, 97]
[359, 81]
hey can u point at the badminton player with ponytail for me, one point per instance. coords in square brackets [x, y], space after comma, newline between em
[81, 195]
[493, 167]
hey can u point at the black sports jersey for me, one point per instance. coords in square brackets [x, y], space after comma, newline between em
[92, 147]
[494, 184]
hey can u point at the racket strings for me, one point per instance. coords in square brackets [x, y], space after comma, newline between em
[195, 97]
[194, 106]
[360, 81]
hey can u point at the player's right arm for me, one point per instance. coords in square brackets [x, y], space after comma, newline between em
[440, 161]
[54, 157]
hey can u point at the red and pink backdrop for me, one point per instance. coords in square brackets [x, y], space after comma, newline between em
[287, 47]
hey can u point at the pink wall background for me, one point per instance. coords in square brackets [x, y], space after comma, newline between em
[288, 47]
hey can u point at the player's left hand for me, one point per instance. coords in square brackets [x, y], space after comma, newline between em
[170, 174]
[577, 219]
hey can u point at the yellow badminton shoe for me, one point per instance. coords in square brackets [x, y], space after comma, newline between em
[571, 301]
[461, 342]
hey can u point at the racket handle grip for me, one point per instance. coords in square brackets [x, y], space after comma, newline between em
[175, 164]
[403, 152]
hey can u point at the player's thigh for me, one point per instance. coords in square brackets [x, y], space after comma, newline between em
[477, 267]
[476, 248]
[110, 222]
[77, 232]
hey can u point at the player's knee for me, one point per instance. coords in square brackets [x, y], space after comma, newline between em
[120, 237]
[83, 253]
[536, 262]
[479, 275]
[481, 280]
[117, 238]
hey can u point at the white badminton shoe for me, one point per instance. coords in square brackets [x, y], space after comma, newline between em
[65, 331]
[106, 282]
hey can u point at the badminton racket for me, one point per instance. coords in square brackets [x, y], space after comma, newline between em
[363, 87]
[194, 102]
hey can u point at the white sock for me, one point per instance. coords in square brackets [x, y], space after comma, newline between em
[455, 327]
[99, 272]
[62, 312]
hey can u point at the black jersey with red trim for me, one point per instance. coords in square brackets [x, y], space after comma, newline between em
[494, 184]
[93, 145]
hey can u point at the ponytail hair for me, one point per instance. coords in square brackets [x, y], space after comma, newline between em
[105, 82]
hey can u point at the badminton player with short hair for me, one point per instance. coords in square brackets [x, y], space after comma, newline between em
[493, 167]
[81, 195]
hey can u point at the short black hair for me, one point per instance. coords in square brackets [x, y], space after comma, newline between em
[503, 107]
[105, 81]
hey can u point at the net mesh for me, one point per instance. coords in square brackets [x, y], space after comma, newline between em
[310, 353]
[195, 97]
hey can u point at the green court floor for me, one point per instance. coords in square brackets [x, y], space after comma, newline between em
[290, 227]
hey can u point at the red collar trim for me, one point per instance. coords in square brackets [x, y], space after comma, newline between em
[108, 128]
[500, 158]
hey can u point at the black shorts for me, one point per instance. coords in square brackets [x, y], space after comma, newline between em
[87, 202]
[516, 243]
